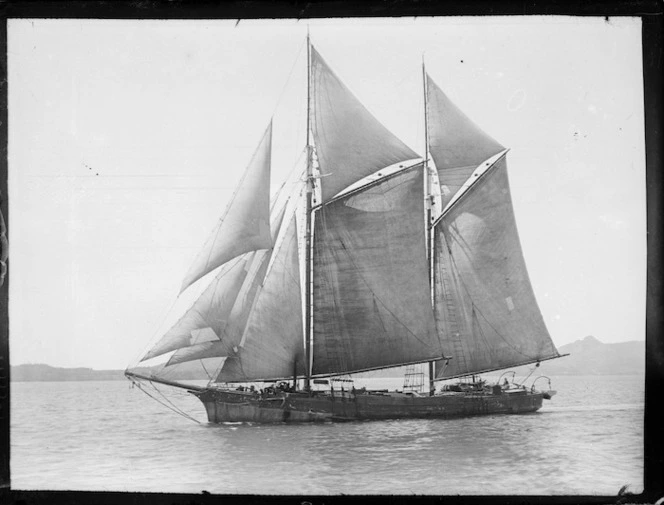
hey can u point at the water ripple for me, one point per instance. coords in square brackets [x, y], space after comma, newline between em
[94, 436]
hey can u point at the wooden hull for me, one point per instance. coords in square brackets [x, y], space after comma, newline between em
[232, 406]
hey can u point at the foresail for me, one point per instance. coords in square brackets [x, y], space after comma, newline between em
[211, 349]
[372, 304]
[206, 319]
[200, 369]
[226, 316]
[350, 142]
[216, 321]
[245, 225]
[272, 344]
[486, 311]
[457, 145]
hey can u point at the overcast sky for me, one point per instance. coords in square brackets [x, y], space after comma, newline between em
[126, 139]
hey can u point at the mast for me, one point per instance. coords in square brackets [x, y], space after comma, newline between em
[427, 210]
[307, 261]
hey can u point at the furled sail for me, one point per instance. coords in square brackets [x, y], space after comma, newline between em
[245, 226]
[272, 344]
[350, 142]
[457, 145]
[486, 311]
[372, 306]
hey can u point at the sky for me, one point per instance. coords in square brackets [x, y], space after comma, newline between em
[127, 137]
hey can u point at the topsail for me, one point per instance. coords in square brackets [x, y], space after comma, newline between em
[350, 142]
[457, 145]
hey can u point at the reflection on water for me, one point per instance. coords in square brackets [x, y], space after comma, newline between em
[105, 436]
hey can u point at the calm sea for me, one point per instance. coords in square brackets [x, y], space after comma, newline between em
[106, 436]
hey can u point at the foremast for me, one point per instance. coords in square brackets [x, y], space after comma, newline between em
[307, 236]
[428, 203]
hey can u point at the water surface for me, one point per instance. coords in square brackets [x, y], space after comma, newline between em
[106, 436]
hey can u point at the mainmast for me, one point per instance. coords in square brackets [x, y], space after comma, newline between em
[307, 261]
[427, 209]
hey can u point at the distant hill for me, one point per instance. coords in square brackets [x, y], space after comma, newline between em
[588, 356]
[38, 372]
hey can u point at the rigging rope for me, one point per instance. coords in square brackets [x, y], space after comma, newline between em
[290, 73]
[172, 406]
[152, 342]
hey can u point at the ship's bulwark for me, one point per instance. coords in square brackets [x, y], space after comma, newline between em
[231, 406]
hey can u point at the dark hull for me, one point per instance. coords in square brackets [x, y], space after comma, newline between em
[234, 406]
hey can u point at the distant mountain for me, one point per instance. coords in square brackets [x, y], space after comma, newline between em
[587, 356]
[47, 373]
[39, 372]
[189, 370]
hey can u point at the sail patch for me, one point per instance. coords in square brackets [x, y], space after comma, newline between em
[200, 335]
[510, 303]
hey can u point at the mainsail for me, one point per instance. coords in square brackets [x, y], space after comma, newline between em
[245, 226]
[350, 142]
[457, 145]
[486, 311]
[371, 294]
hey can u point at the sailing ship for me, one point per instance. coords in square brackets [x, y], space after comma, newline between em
[380, 258]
